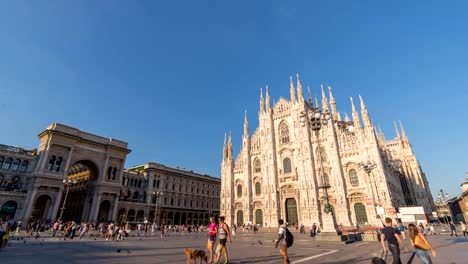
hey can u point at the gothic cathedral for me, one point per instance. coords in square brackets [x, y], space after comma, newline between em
[278, 174]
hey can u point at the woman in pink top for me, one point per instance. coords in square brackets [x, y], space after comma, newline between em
[213, 230]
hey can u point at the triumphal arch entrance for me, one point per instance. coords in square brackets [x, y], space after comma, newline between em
[77, 176]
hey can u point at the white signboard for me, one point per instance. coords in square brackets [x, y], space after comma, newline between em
[415, 210]
[408, 218]
[380, 210]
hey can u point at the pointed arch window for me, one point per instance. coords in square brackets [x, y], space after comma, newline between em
[353, 177]
[258, 188]
[323, 154]
[284, 133]
[287, 165]
[7, 164]
[239, 190]
[326, 179]
[257, 166]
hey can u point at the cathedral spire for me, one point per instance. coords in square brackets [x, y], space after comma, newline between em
[246, 125]
[324, 100]
[396, 130]
[224, 148]
[364, 113]
[262, 102]
[267, 99]
[316, 102]
[346, 117]
[300, 95]
[229, 146]
[310, 96]
[333, 104]
[403, 133]
[291, 90]
[357, 122]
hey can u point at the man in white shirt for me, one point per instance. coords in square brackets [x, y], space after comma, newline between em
[282, 241]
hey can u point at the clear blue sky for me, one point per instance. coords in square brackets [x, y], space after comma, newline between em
[170, 77]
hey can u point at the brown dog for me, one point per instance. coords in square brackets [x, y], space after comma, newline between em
[194, 254]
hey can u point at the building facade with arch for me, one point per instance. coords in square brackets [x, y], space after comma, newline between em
[277, 171]
[32, 187]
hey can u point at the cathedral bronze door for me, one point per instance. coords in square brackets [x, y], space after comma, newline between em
[240, 218]
[291, 211]
[361, 215]
[259, 217]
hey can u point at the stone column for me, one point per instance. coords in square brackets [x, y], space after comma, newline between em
[58, 199]
[95, 207]
[116, 206]
[44, 156]
[67, 164]
[31, 199]
[104, 169]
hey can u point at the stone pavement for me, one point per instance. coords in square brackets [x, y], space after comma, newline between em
[245, 249]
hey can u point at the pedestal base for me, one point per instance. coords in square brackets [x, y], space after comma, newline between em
[331, 237]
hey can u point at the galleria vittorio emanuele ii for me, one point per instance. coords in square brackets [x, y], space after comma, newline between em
[306, 161]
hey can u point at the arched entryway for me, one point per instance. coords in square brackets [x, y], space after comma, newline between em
[9, 209]
[104, 211]
[259, 217]
[122, 216]
[140, 216]
[291, 211]
[177, 218]
[131, 215]
[361, 214]
[79, 202]
[170, 218]
[240, 218]
[184, 219]
[41, 208]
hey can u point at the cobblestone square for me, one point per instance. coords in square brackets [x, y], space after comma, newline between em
[247, 248]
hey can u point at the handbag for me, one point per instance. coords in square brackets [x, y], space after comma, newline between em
[420, 242]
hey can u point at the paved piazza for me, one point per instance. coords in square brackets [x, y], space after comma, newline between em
[245, 249]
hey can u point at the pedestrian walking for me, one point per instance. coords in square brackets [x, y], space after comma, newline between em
[421, 245]
[401, 230]
[224, 234]
[212, 230]
[463, 229]
[453, 229]
[390, 235]
[282, 241]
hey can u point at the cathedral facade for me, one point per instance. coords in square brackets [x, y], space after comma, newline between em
[277, 173]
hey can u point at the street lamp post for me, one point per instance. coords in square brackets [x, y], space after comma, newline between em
[442, 200]
[67, 184]
[368, 167]
[317, 120]
[157, 194]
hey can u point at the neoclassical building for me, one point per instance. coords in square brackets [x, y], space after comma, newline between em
[100, 189]
[277, 171]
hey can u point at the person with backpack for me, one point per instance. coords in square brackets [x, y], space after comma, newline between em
[224, 234]
[390, 235]
[285, 240]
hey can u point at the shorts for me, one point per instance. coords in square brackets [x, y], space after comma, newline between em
[2, 234]
[212, 238]
[222, 241]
